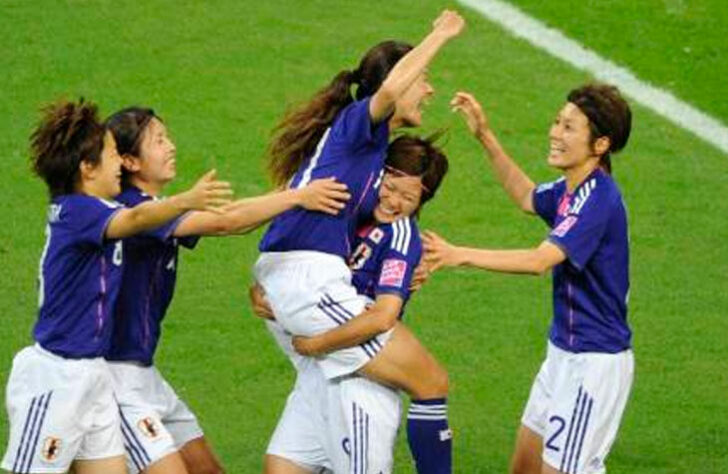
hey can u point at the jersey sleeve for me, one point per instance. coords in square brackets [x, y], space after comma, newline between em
[399, 260]
[355, 128]
[87, 218]
[580, 232]
[545, 199]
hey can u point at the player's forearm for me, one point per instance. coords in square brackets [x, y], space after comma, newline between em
[505, 261]
[146, 216]
[356, 331]
[249, 213]
[516, 183]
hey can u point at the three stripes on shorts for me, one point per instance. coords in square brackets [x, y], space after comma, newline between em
[31, 432]
[577, 431]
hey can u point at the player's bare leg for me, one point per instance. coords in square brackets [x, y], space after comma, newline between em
[276, 465]
[114, 465]
[527, 455]
[406, 364]
[199, 457]
[169, 464]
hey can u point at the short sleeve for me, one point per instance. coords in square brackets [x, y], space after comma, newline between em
[399, 260]
[354, 126]
[545, 199]
[581, 231]
[88, 217]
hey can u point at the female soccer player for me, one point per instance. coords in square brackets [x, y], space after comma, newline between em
[60, 401]
[161, 434]
[579, 395]
[303, 267]
[388, 248]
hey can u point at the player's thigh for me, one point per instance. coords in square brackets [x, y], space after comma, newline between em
[199, 457]
[527, 453]
[273, 464]
[405, 363]
[169, 464]
[112, 465]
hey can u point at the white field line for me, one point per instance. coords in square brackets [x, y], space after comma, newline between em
[555, 43]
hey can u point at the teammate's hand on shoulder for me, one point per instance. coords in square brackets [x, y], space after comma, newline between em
[449, 24]
[472, 111]
[306, 346]
[259, 303]
[324, 195]
[208, 194]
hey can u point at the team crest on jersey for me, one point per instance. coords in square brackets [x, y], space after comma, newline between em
[393, 272]
[149, 427]
[51, 449]
[376, 235]
[565, 226]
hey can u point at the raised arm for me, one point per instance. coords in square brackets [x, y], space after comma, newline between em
[376, 319]
[208, 194]
[447, 26]
[516, 183]
[244, 215]
[536, 261]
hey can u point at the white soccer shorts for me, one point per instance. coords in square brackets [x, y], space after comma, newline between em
[347, 425]
[310, 293]
[576, 404]
[60, 410]
[154, 421]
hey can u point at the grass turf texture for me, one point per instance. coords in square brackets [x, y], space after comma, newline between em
[220, 74]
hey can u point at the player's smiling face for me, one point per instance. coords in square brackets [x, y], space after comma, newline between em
[399, 196]
[158, 155]
[408, 108]
[569, 139]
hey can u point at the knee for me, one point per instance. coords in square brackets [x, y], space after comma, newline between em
[212, 468]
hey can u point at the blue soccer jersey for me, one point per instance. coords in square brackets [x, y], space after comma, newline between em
[385, 258]
[150, 273]
[80, 273]
[591, 286]
[352, 150]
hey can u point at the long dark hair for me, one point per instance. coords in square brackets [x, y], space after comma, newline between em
[68, 133]
[609, 116]
[296, 136]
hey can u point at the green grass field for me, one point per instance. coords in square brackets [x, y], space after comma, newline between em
[222, 72]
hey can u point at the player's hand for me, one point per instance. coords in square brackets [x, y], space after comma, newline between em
[449, 24]
[306, 346]
[472, 112]
[208, 194]
[420, 276]
[324, 195]
[259, 303]
[439, 252]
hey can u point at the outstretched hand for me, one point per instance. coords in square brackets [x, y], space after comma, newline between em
[324, 195]
[439, 252]
[450, 24]
[472, 111]
[209, 194]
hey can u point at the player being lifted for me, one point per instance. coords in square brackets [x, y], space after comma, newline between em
[161, 434]
[580, 393]
[60, 401]
[387, 250]
[303, 268]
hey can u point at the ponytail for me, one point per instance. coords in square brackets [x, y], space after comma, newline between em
[296, 136]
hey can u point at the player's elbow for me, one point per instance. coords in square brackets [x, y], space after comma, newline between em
[384, 321]
[539, 266]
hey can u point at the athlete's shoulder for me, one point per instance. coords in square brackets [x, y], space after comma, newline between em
[599, 189]
[553, 186]
[404, 235]
[132, 196]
